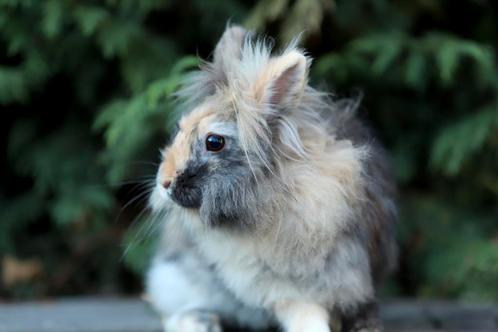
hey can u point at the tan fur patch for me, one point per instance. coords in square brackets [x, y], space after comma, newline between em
[190, 121]
[203, 125]
[176, 156]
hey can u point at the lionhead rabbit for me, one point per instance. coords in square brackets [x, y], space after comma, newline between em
[277, 203]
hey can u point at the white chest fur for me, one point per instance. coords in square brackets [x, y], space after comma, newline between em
[264, 271]
[247, 269]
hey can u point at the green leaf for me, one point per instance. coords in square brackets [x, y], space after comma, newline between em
[53, 17]
[265, 11]
[457, 142]
[90, 18]
[415, 70]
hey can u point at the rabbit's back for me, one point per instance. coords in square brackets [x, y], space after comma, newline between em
[377, 214]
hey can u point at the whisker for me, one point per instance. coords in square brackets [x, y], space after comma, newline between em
[141, 162]
[144, 230]
[144, 185]
[114, 185]
[141, 196]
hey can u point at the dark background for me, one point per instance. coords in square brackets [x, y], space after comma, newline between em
[85, 95]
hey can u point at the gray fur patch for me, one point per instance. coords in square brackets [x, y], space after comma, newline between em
[222, 185]
[187, 188]
[364, 318]
[230, 194]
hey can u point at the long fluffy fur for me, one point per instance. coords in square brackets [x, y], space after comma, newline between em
[309, 189]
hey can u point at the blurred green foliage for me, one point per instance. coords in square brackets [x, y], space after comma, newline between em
[85, 92]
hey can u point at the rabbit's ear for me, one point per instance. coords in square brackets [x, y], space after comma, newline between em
[229, 47]
[282, 85]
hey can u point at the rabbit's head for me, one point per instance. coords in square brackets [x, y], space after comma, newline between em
[224, 160]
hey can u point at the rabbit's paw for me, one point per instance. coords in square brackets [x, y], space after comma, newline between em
[193, 321]
[297, 316]
[310, 328]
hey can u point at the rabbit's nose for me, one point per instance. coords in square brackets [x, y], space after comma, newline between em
[166, 184]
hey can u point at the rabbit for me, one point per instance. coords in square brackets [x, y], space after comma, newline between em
[278, 204]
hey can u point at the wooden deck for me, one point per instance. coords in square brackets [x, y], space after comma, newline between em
[133, 315]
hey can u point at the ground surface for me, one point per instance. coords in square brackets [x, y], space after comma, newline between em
[133, 315]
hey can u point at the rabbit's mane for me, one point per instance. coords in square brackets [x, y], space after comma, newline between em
[298, 145]
[269, 134]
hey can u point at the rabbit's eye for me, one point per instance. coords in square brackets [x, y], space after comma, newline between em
[215, 142]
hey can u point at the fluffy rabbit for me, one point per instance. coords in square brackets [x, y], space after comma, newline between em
[277, 203]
